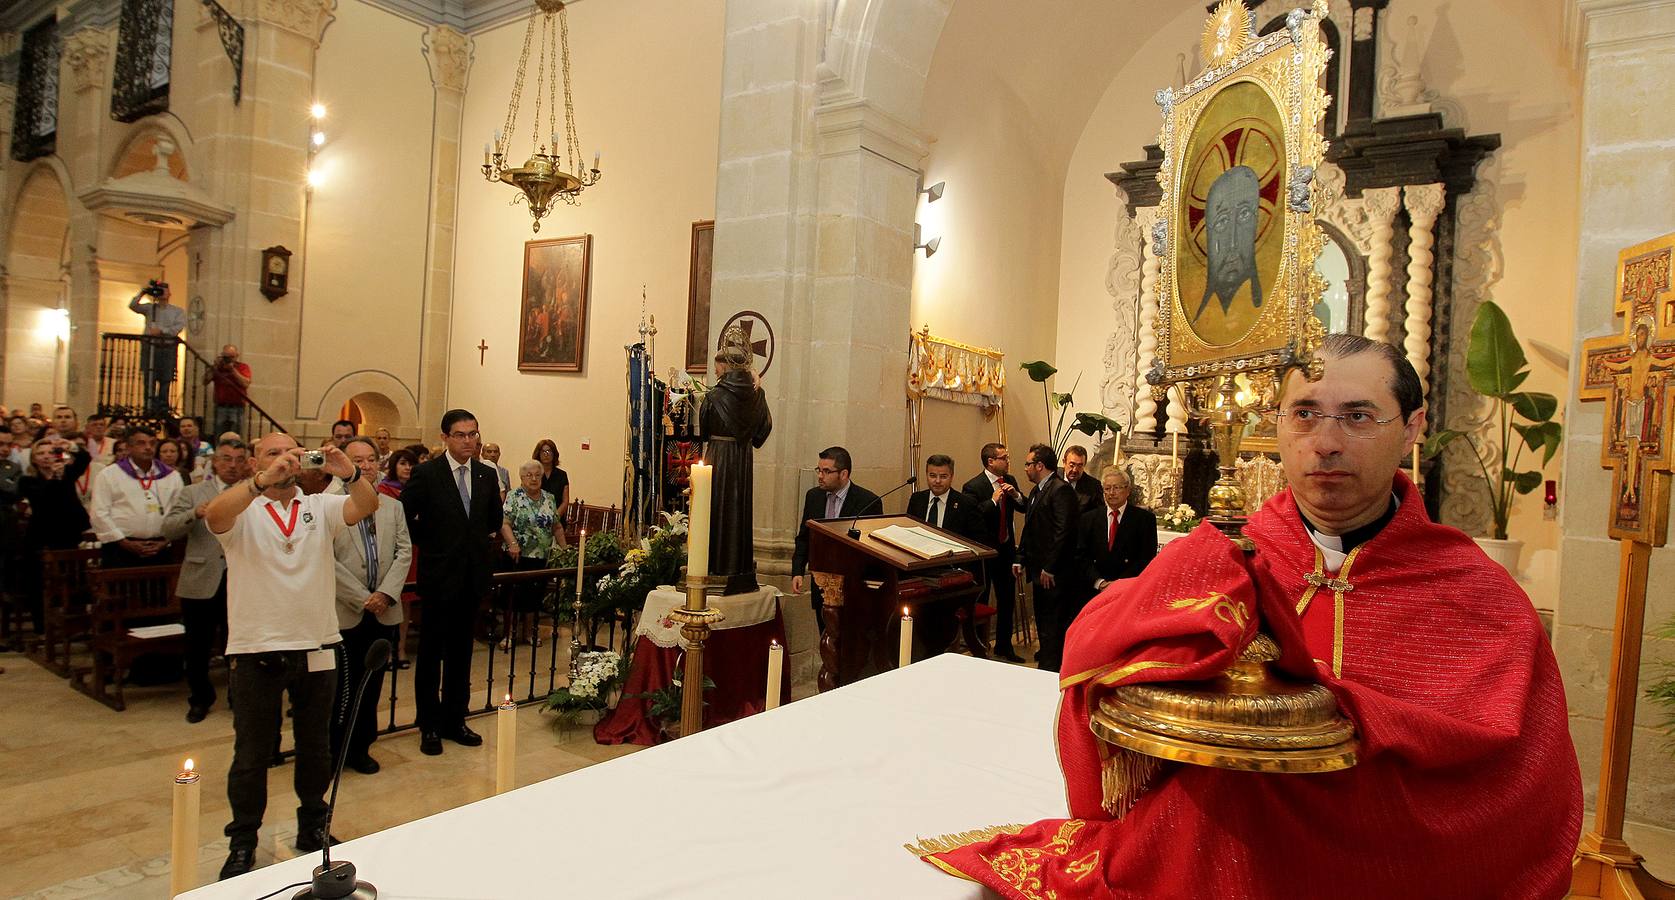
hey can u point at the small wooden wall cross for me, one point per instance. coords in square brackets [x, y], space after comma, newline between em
[1635, 372]
[482, 350]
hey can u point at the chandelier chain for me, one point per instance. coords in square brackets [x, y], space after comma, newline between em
[572, 143]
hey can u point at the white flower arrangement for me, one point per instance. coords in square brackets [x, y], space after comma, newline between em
[1181, 517]
[597, 672]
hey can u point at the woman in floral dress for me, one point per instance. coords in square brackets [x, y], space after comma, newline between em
[530, 532]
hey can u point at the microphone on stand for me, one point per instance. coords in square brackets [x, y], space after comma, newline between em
[855, 533]
[333, 881]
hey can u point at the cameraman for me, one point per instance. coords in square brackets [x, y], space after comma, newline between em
[232, 383]
[163, 324]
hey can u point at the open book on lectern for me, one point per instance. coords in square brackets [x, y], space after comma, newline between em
[920, 542]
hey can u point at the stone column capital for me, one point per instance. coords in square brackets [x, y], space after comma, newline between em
[449, 52]
[1423, 201]
[86, 54]
[855, 125]
[306, 18]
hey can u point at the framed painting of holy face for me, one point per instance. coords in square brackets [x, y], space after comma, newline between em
[1237, 238]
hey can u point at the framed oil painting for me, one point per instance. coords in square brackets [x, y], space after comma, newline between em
[1238, 238]
[698, 298]
[552, 323]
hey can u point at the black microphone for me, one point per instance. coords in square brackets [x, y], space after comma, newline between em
[335, 881]
[855, 533]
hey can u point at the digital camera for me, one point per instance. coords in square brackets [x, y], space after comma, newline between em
[313, 459]
[154, 288]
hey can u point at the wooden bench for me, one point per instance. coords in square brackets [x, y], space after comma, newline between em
[65, 598]
[124, 599]
[593, 518]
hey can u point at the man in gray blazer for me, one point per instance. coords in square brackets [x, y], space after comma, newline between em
[372, 564]
[203, 575]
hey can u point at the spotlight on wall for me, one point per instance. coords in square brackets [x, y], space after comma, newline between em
[316, 177]
[318, 111]
[929, 246]
[935, 191]
[318, 139]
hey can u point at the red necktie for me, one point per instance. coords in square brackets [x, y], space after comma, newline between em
[1111, 542]
[1002, 536]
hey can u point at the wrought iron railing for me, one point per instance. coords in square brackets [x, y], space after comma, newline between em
[127, 369]
[143, 52]
[35, 120]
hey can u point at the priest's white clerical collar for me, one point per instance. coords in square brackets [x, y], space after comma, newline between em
[1335, 548]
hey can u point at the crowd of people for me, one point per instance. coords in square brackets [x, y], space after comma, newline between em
[264, 532]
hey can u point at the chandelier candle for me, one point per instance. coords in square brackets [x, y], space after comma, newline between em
[506, 746]
[776, 665]
[905, 658]
[698, 531]
[183, 843]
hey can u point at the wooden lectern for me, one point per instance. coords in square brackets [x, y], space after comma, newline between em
[865, 582]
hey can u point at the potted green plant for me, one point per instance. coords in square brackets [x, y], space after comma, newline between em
[1518, 421]
[663, 705]
[1094, 425]
[598, 680]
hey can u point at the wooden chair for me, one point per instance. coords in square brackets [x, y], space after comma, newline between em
[65, 598]
[124, 599]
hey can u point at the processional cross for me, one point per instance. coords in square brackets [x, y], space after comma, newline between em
[1635, 374]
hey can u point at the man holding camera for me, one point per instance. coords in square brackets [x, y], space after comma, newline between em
[163, 324]
[282, 629]
[232, 384]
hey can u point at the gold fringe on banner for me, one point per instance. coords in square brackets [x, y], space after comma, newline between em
[949, 842]
[1124, 777]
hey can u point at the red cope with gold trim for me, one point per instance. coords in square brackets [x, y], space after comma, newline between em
[1467, 784]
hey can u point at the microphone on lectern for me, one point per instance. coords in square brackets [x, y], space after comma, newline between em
[334, 881]
[855, 533]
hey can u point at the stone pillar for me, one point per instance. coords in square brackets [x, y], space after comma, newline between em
[85, 66]
[1382, 204]
[254, 157]
[764, 247]
[1627, 50]
[449, 52]
[1145, 408]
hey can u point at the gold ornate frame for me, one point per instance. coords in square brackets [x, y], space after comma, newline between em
[1287, 67]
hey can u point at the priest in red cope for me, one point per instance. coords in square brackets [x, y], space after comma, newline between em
[1467, 784]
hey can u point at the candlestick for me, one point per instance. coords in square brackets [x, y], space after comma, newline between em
[485, 153]
[1174, 446]
[776, 665]
[183, 844]
[581, 560]
[698, 527]
[905, 657]
[596, 160]
[506, 746]
[576, 611]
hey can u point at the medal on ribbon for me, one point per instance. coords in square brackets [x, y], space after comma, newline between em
[286, 528]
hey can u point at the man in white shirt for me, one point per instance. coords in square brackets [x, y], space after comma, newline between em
[282, 632]
[202, 586]
[490, 455]
[163, 324]
[129, 501]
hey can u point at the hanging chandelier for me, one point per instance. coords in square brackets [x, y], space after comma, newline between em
[547, 174]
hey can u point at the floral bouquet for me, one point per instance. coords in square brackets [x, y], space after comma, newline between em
[1180, 517]
[599, 673]
[656, 561]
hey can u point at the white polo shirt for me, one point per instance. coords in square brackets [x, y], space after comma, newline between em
[278, 600]
[123, 506]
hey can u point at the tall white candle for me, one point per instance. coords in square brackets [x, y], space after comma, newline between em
[506, 746]
[905, 658]
[581, 560]
[183, 844]
[698, 530]
[776, 665]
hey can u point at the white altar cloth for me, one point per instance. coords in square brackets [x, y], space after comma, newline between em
[812, 800]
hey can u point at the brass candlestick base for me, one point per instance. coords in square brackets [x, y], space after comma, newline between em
[695, 619]
[1226, 417]
[1248, 718]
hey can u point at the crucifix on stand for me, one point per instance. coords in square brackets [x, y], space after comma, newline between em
[482, 351]
[1635, 374]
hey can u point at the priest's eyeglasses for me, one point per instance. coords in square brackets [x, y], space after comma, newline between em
[1355, 423]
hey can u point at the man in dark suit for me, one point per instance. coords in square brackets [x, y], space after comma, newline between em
[1088, 493]
[994, 492]
[941, 505]
[1049, 551]
[452, 503]
[834, 496]
[1115, 541]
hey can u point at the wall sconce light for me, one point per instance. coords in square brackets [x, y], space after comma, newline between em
[317, 111]
[934, 191]
[929, 246]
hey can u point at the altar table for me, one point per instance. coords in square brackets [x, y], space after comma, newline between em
[812, 800]
[735, 658]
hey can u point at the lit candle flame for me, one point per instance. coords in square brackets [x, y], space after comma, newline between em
[188, 764]
[508, 698]
[905, 612]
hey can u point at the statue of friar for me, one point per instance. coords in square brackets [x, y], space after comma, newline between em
[735, 421]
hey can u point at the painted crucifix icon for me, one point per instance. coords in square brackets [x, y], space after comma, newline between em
[1635, 373]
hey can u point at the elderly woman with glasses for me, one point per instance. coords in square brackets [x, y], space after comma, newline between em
[530, 531]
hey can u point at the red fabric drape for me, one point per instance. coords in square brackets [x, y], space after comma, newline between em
[1467, 785]
[736, 659]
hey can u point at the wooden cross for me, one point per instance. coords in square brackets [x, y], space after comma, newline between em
[1635, 374]
[482, 351]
